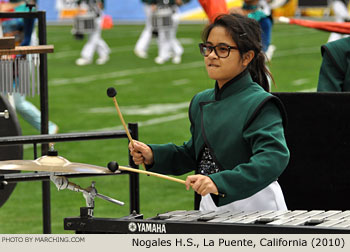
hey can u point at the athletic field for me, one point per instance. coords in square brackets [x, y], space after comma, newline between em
[154, 96]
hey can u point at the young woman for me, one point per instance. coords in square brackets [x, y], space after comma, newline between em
[237, 148]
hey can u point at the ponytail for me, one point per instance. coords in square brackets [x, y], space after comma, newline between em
[259, 72]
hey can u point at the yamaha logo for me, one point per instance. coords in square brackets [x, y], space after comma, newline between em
[146, 227]
[132, 227]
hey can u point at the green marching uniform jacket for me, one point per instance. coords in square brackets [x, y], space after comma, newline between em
[335, 69]
[243, 127]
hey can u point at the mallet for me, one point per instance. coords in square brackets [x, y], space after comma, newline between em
[111, 92]
[113, 166]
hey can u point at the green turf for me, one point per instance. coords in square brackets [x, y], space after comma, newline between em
[74, 91]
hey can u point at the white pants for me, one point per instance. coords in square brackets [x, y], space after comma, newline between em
[95, 43]
[269, 198]
[341, 13]
[145, 38]
[168, 44]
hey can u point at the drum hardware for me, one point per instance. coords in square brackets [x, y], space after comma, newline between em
[84, 24]
[56, 164]
[5, 114]
[89, 193]
[162, 17]
[111, 92]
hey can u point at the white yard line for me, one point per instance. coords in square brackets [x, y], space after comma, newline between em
[155, 69]
[123, 82]
[180, 82]
[75, 53]
[299, 82]
[308, 90]
[124, 73]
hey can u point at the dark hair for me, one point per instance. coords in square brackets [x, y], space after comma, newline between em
[246, 33]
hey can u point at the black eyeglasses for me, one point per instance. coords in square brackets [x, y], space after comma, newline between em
[221, 50]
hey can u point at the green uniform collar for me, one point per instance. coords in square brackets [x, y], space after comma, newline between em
[237, 83]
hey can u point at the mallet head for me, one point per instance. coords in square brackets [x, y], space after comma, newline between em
[113, 166]
[111, 92]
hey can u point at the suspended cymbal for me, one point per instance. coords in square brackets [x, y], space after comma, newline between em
[51, 164]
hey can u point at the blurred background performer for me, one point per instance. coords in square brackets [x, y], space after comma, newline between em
[142, 44]
[335, 68]
[213, 8]
[95, 41]
[266, 8]
[341, 14]
[254, 10]
[168, 45]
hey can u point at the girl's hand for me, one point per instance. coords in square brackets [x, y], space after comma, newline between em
[141, 153]
[201, 184]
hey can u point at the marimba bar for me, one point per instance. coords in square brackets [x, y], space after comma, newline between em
[194, 221]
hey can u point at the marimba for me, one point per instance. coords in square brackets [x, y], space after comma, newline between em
[224, 222]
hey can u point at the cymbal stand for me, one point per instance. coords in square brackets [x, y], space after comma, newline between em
[89, 193]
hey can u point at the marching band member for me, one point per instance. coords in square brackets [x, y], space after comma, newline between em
[142, 44]
[95, 41]
[237, 145]
[168, 45]
[334, 72]
[341, 14]
[253, 9]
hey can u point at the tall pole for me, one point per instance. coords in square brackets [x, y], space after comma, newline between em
[44, 108]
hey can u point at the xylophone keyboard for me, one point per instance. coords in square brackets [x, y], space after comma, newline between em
[194, 221]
